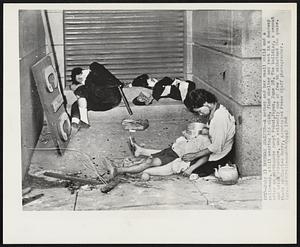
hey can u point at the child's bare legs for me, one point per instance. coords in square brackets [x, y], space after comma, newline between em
[138, 150]
[150, 162]
[164, 170]
[174, 167]
[82, 103]
[144, 151]
[79, 111]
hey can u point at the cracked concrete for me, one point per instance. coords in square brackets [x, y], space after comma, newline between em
[172, 192]
[107, 138]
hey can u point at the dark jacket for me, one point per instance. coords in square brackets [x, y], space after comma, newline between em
[101, 89]
[174, 92]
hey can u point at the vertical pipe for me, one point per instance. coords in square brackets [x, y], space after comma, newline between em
[64, 40]
[188, 44]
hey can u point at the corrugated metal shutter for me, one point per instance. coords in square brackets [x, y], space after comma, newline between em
[128, 43]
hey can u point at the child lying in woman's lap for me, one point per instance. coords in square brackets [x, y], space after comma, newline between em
[193, 139]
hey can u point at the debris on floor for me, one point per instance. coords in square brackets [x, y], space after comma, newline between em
[26, 191]
[76, 179]
[27, 200]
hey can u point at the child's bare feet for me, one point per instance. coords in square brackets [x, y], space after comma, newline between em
[134, 148]
[111, 169]
[145, 176]
[187, 172]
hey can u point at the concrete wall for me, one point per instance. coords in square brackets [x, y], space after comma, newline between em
[55, 18]
[226, 60]
[31, 49]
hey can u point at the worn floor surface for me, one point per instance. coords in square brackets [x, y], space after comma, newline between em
[107, 138]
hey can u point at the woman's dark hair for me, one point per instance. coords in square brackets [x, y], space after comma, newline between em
[198, 97]
[75, 71]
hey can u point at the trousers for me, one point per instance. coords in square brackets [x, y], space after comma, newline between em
[209, 167]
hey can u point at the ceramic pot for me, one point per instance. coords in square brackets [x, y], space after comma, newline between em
[227, 174]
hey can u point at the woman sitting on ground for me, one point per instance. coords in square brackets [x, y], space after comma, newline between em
[221, 131]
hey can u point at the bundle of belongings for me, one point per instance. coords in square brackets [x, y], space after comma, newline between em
[167, 87]
[135, 124]
[144, 98]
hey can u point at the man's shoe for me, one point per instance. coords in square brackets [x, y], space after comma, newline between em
[75, 125]
[74, 130]
[84, 125]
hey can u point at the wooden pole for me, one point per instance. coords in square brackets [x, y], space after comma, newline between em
[125, 100]
[82, 181]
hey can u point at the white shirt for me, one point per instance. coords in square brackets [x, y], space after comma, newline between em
[84, 75]
[183, 146]
[183, 87]
[221, 132]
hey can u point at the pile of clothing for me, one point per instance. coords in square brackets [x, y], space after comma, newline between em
[167, 87]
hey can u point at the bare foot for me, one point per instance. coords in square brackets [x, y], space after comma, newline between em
[145, 176]
[134, 148]
[137, 152]
[187, 172]
[111, 169]
[84, 125]
[113, 172]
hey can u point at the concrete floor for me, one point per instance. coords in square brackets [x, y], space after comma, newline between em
[107, 138]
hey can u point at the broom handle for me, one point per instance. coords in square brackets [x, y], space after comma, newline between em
[125, 100]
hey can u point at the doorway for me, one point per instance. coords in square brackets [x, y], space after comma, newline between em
[128, 43]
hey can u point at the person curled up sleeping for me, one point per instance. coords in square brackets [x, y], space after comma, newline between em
[96, 89]
[167, 161]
